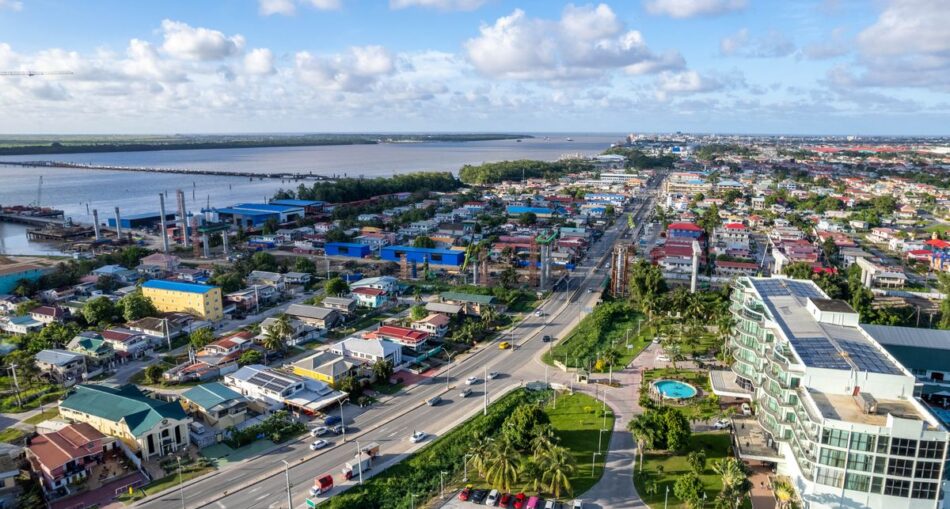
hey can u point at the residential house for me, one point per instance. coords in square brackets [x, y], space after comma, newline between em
[449, 310]
[66, 456]
[368, 351]
[264, 278]
[435, 325]
[58, 294]
[300, 331]
[158, 265]
[342, 304]
[327, 367]
[127, 343]
[98, 352]
[387, 284]
[117, 273]
[159, 330]
[472, 304]
[297, 278]
[271, 390]
[320, 317]
[252, 297]
[404, 336]
[49, 314]
[61, 366]
[215, 405]
[732, 269]
[372, 298]
[9, 488]
[20, 325]
[150, 427]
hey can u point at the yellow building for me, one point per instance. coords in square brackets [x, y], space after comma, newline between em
[172, 296]
[326, 367]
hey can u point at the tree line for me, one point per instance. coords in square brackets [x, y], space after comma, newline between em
[493, 173]
[354, 189]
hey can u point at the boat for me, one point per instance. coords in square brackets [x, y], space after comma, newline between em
[519, 141]
[569, 139]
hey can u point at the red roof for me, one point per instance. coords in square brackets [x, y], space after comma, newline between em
[375, 292]
[684, 226]
[74, 441]
[401, 334]
[734, 226]
[937, 243]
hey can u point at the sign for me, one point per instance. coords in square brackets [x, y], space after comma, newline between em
[311, 503]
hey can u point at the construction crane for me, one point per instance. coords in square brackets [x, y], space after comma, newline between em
[35, 73]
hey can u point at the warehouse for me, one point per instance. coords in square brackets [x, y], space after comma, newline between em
[421, 254]
[346, 249]
[144, 220]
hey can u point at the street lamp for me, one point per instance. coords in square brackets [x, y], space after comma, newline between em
[593, 461]
[181, 486]
[412, 500]
[442, 483]
[600, 435]
[666, 499]
[465, 467]
[290, 503]
[359, 459]
[342, 423]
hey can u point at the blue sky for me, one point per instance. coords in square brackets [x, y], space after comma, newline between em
[750, 66]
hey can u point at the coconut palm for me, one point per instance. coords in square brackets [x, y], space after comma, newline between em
[489, 315]
[502, 468]
[479, 454]
[543, 440]
[531, 471]
[278, 333]
[784, 494]
[557, 467]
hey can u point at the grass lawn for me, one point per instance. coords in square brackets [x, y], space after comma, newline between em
[577, 421]
[698, 409]
[52, 413]
[32, 398]
[715, 444]
[164, 483]
[11, 435]
[582, 346]
[386, 388]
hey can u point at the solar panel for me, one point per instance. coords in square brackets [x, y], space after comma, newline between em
[818, 352]
[771, 287]
[868, 358]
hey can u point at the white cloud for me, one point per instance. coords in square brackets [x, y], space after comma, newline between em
[326, 5]
[834, 46]
[259, 61]
[774, 44]
[11, 5]
[691, 8]
[202, 44]
[686, 82]
[442, 5]
[283, 7]
[354, 71]
[586, 42]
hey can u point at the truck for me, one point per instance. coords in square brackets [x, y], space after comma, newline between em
[362, 461]
[321, 485]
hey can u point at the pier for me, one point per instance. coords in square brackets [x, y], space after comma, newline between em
[183, 171]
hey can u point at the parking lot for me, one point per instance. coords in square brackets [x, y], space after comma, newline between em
[452, 502]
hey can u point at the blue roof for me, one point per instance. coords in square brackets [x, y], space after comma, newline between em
[297, 203]
[146, 215]
[345, 244]
[177, 286]
[430, 250]
[520, 209]
[245, 212]
[265, 206]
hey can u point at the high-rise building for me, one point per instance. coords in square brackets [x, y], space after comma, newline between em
[836, 408]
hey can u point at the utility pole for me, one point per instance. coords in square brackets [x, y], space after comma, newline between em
[181, 486]
[359, 459]
[442, 483]
[667, 498]
[342, 424]
[16, 385]
[485, 401]
[593, 461]
[290, 502]
[465, 468]
[168, 337]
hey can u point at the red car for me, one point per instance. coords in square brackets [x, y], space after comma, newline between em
[520, 499]
[505, 500]
[465, 493]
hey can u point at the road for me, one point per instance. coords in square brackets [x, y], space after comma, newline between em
[260, 482]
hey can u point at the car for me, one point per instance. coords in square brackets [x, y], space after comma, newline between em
[331, 420]
[492, 375]
[465, 392]
[466, 493]
[319, 431]
[505, 500]
[478, 496]
[746, 409]
[434, 400]
[546, 339]
[551, 504]
[590, 290]
[417, 436]
[656, 340]
[492, 499]
[663, 357]
[577, 505]
[504, 345]
[339, 429]
[539, 313]
[319, 444]
[472, 380]
[722, 424]
[520, 500]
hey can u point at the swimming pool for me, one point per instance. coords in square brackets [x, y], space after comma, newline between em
[674, 389]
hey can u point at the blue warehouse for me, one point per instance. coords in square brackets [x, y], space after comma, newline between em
[346, 249]
[421, 255]
[144, 220]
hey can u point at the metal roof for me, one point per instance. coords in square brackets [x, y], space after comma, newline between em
[909, 336]
[177, 286]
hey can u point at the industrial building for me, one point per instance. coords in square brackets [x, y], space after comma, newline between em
[256, 214]
[140, 221]
[174, 296]
[346, 249]
[434, 256]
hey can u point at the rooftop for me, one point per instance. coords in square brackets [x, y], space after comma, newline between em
[140, 412]
[467, 297]
[210, 395]
[843, 407]
[177, 286]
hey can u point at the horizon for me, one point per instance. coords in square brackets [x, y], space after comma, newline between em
[731, 67]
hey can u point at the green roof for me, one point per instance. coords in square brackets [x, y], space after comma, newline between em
[467, 297]
[94, 346]
[210, 395]
[140, 412]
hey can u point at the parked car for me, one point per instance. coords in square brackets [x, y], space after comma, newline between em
[465, 392]
[417, 436]
[746, 409]
[546, 339]
[539, 313]
[722, 424]
[466, 493]
[331, 420]
[319, 431]
[492, 498]
[478, 496]
[472, 380]
[319, 444]
[339, 429]
[520, 499]
[663, 357]
[492, 375]
[551, 504]
[577, 505]
[505, 500]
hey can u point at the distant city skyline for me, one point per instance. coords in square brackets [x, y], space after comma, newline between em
[797, 67]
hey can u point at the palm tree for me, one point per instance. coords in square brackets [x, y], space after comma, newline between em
[278, 333]
[479, 454]
[543, 440]
[489, 315]
[784, 494]
[557, 467]
[502, 471]
[531, 471]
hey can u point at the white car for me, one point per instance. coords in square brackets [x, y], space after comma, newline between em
[319, 444]
[577, 505]
[722, 424]
[746, 409]
[663, 357]
[465, 392]
[492, 375]
[539, 313]
[472, 380]
[319, 431]
[492, 499]
[417, 436]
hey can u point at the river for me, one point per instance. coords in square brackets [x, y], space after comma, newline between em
[78, 191]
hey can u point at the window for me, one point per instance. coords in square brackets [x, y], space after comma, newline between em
[903, 468]
[879, 464]
[830, 477]
[882, 443]
[876, 484]
[903, 447]
[927, 470]
[857, 482]
[860, 462]
[930, 449]
[896, 487]
[835, 437]
[926, 490]
[831, 457]
[862, 442]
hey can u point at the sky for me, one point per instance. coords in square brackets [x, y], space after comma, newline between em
[848, 67]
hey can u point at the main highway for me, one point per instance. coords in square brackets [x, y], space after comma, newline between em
[261, 482]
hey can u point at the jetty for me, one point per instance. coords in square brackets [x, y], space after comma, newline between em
[184, 171]
[31, 215]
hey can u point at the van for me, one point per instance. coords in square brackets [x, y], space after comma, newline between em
[533, 503]
[434, 400]
[197, 427]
